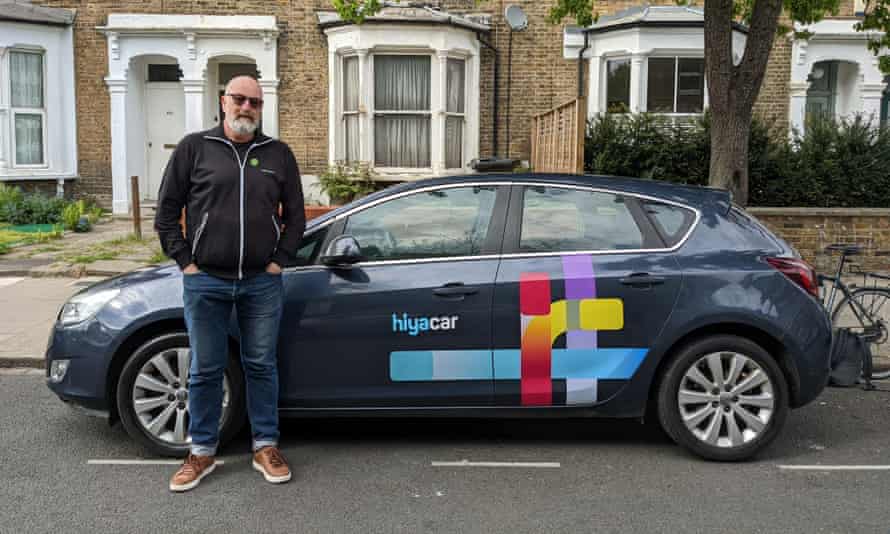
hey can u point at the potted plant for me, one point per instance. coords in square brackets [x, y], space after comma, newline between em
[346, 181]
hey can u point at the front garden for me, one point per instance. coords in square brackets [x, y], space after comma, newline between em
[28, 218]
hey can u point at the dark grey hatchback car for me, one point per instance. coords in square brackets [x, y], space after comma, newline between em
[492, 295]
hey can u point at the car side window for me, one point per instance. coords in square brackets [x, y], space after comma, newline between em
[671, 221]
[430, 224]
[559, 219]
[310, 248]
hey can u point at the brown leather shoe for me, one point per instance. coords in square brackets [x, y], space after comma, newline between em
[193, 469]
[272, 465]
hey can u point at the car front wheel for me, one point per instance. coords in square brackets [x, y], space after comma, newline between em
[152, 396]
[723, 397]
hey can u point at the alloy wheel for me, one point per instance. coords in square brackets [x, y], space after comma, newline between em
[726, 399]
[160, 396]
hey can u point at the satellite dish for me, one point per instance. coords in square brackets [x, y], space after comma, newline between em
[516, 18]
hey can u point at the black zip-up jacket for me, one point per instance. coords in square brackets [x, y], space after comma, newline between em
[231, 202]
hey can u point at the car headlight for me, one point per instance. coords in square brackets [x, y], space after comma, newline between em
[85, 305]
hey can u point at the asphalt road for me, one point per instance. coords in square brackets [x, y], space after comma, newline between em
[378, 476]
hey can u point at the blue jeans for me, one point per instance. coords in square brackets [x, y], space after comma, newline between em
[209, 302]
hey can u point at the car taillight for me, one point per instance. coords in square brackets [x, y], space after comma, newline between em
[799, 271]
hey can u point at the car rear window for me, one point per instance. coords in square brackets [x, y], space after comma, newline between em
[557, 219]
[671, 221]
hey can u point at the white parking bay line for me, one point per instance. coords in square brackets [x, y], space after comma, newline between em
[467, 463]
[10, 281]
[835, 467]
[141, 462]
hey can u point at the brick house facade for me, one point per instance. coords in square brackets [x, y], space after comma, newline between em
[541, 77]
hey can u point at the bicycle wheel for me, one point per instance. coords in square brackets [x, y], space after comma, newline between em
[875, 302]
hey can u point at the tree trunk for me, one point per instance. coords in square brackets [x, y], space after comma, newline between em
[733, 88]
[729, 154]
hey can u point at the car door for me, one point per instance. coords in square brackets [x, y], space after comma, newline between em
[411, 325]
[584, 288]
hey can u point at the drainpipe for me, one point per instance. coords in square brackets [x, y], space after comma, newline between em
[581, 65]
[494, 120]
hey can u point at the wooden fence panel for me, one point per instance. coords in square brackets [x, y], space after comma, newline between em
[557, 143]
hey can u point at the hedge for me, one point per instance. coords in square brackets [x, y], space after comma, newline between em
[836, 164]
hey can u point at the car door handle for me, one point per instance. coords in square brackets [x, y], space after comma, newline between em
[642, 280]
[457, 289]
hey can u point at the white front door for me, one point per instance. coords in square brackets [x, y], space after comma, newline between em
[164, 127]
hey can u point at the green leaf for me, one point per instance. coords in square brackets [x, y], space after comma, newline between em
[356, 11]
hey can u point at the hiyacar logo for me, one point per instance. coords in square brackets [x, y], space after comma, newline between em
[416, 325]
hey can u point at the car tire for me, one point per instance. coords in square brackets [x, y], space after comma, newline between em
[165, 442]
[732, 422]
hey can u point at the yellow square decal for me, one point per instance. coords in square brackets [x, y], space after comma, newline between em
[602, 314]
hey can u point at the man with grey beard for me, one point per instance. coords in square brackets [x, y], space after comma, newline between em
[244, 221]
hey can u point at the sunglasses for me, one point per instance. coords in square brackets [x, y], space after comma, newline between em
[239, 100]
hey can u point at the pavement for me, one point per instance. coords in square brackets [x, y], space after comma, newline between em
[62, 471]
[28, 309]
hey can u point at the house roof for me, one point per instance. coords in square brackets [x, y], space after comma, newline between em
[646, 15]
[411, 13]
[25, 11]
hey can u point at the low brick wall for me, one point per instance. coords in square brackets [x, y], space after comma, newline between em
[810, 230]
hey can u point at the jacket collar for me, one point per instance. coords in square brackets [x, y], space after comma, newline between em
[219, 131]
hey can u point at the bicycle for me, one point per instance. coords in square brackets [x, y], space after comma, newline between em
[864, 311]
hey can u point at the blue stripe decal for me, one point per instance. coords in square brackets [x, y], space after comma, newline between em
[575, 363]
[429, 365]
[571, 364]
[410, 365]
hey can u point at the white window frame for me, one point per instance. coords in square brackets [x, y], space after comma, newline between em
[674, 115]
[373, 112]
[16, 110]
[462, 115]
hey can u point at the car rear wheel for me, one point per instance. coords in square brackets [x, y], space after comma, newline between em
[152, 396]
[723, 397]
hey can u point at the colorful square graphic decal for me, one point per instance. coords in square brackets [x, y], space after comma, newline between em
[536, 364]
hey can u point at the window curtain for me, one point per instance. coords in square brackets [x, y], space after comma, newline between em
[26, 73]
[350, 104]
[401, 83]
[455, 86]
[28, 139]
[454, 125]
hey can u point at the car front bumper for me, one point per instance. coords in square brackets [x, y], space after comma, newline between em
[86, 346]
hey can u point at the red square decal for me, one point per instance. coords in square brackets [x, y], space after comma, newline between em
[534, 293]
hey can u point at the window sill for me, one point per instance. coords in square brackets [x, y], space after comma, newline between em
[400, 174]
[23, 174]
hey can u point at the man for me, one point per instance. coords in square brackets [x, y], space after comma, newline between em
[231, 180]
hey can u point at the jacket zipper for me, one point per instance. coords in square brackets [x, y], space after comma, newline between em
[241, 186]
[277, 233]
[199, 232]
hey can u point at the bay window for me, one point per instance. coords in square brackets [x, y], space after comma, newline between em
[404, 98]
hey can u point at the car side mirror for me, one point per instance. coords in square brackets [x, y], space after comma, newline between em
[342, 251]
